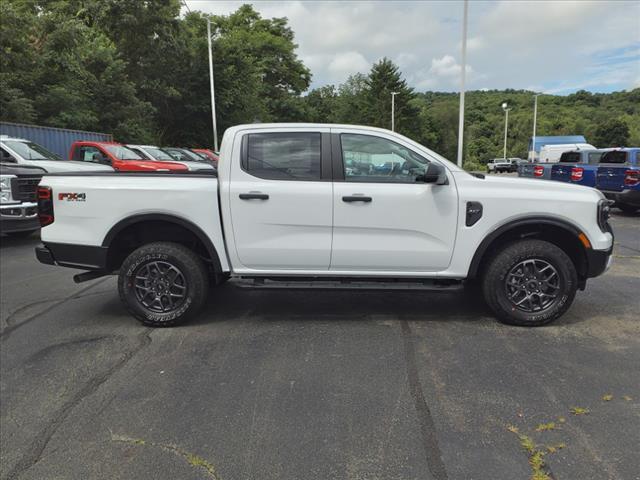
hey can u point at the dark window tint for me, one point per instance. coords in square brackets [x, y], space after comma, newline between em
[378, 160]
[614, 156]
[570, 157]
[284, 156]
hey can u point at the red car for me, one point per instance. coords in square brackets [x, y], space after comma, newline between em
[213, 156]
[119, 157]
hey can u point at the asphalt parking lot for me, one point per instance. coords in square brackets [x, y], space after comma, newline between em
[316, 385]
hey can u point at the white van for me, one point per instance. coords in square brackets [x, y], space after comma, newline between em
[551, 153]
[25, 152]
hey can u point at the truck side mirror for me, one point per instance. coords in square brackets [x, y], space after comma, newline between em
[433, 174]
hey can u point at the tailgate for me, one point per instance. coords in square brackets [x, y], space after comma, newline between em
[561, 172]
[611, 177]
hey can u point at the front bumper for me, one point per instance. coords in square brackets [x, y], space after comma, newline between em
[19, 217]
[598, 261]
[625, 197]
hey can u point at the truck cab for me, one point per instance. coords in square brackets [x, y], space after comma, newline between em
[119, 157]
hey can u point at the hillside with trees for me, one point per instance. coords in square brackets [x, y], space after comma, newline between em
[139, 70]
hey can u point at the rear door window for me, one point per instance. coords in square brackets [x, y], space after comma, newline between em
[615, 156]
[283, 156]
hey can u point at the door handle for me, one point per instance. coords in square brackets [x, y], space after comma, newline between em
[254, 196]
[356, 198]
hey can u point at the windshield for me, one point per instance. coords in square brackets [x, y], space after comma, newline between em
[183, 155]
[31, 151]
[159, 154]
[122, 153]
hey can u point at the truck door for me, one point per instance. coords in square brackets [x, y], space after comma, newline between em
[281, 200]
[384, 219]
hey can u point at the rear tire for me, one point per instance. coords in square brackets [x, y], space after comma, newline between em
[529, 283]
[163, 284]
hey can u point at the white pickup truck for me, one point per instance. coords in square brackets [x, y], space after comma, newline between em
[308, 205]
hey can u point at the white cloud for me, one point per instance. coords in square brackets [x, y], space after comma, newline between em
[514, 44]
[447, 67]
[344, 64]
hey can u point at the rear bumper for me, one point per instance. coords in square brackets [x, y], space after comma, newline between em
[85, 257]
[625, 197]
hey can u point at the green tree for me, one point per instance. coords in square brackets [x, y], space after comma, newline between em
[613, 133]
[385, 78]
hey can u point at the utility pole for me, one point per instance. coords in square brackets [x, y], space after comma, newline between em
[506, 126]
[393, 111]
[463, 74]
[213, 96]
[535, 117]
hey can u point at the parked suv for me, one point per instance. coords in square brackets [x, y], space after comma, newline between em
[18, 199]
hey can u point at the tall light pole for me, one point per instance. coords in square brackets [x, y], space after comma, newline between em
[463, 74]
[506, 126]
[393, 111]
[213, 96]
[535, 117]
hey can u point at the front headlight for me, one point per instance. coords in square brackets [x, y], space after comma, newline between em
[604, 211]
[5, 188]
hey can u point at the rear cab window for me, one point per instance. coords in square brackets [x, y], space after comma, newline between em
[614, 156]
[283, 156]
[570, 157]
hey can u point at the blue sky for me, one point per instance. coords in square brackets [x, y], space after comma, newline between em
[548, 46]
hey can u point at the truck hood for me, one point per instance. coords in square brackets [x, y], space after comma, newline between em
[65, 166]
[194, 166]
[536, 188]
[150, 165]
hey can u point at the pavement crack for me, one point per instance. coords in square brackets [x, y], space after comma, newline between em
[191, 458]
[12, 328]
[33, 453]
[427, 426]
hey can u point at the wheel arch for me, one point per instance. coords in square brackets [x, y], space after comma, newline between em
[174, 225]
[557, 231]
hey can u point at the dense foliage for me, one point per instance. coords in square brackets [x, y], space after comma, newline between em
[139, 70]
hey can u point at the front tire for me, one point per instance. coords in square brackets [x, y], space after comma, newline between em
[163, 284]
[529, 283]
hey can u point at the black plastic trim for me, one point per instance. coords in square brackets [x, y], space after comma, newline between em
[336, 158]
[486, 243]
[474, 213]
[43, 254]
[597, 261]
[203, 237]
[86, 257]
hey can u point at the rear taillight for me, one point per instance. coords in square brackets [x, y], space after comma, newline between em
[538, 171]
[45, 206]
[576, 174]
[631, 178]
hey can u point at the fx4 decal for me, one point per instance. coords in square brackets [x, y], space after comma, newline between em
[72, 197]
